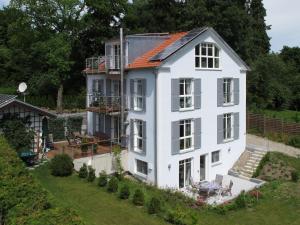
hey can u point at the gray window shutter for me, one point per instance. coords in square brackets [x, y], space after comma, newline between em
[144, 84]
[175, 95]
[197, 93]
[236, 91]
[131, 93]
[144, 137]
[220, 129]
[175, 138]
[108, 125]
[108, 87]
[131, 135]
[107, 56]
[100, 86]
[197, 133]
[220, 92]
[236, 125]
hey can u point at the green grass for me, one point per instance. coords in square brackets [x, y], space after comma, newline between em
[286, 115]
[279, 205]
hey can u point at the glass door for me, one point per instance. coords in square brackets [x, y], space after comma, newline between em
[116, 130]
[202, 167]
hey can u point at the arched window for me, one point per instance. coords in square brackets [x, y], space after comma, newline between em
[207, 56]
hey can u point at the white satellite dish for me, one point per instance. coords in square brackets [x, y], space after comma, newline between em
[22, 87]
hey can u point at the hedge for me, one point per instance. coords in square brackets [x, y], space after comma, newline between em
[22, 199]
[57, 129]
[74, 123]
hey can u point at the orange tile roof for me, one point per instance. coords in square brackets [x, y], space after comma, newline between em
[144, 60]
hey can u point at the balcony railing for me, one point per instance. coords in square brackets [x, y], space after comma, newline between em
[105, 104]
[102, 64]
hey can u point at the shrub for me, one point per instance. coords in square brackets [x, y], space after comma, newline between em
[294, 141]
[124, 192]
[57, 128]
[154, 206]
[74, 123]
[102, 179]
[61, 165]
[261, 165]
[180, 217]
[113, 185]
[294, 176]
[83, 172]
[240, 201]
[91, 174]
[138, 198]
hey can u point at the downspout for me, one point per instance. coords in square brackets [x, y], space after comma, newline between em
[155, 130]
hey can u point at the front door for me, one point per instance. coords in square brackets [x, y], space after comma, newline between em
[203, 167]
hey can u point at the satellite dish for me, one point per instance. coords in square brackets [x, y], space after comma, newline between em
[22, 87]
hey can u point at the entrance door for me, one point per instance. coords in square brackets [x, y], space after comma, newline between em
[202, 167]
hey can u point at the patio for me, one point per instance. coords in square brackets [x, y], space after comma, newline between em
[239, 184]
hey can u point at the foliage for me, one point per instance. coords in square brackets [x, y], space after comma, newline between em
[117, 161]
[180, 217]
[154, 206]
[57, 128]
[74, 124]
[124, 192]
[61, 165]
[17, 131]
[294, 141]
[112, 184]
[295, 176]
[22, 199]
[91, 174]
[261, 164]
[138, 197]
[102, 182]
[83, 171]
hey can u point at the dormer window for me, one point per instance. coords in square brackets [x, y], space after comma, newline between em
[207, 56]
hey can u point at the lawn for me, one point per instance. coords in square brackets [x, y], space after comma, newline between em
[279, 205]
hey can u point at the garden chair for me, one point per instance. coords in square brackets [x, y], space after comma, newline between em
[228, 189]
[219, 179]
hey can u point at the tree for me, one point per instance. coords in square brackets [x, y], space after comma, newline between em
[58, 23]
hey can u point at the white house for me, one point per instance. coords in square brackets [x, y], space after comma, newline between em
[185, 104]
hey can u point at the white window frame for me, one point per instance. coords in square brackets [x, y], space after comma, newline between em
[185, 162]
[214, 57]
[228, 91]
[186, 137]
[138, 98]
[212, 157]
[138, 136]
[185, 96]
[141, 173]
[228, 124]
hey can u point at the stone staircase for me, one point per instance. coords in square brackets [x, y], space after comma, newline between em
[248, 162]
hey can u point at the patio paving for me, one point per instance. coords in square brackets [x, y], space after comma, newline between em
[239, 184]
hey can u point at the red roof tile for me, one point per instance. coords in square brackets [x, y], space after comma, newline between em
[144, 60]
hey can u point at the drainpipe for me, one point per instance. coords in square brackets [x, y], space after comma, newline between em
[122, 81]
[155, 130]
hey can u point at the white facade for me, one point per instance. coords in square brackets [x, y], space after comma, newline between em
[159, 118]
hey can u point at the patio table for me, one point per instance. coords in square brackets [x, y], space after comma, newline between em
[209, 187]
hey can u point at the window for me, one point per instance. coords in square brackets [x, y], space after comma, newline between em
[207, 56]
[116, 55]
[228, 90]
[184, 172]
[186, 137]
[141, 167]
[227, 126]
[185, 93]
[138, 100]
[215, 156]
[138, 135]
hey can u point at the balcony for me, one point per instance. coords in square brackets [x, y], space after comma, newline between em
[105, 104]
[103, 64]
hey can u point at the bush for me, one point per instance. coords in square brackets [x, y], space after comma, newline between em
[83, 172]
[124, 192]
[294, 176]
[262, 163]
[102, 179]
[57, 128]
[154, 206]
[61, 165]
[91, 174]
[294, 141]
[113, 185]
[240, 201]
[138, 198]
[180, 217]
[74, 123]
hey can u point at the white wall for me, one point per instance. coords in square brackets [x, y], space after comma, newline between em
[102, 162]
[147, 116]
[181, 65]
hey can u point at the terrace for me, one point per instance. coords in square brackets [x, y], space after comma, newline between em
[105, 104]
[103, 64]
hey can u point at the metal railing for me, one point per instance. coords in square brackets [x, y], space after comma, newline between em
[106, 103]
[111, 62]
